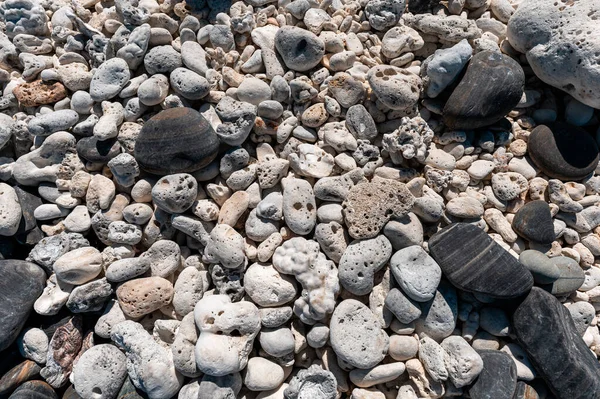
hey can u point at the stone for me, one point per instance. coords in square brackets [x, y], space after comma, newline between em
[10, 211]
[95, 150]
[571, 276]
[176, 140]
[78, 266]
[462, 362]
[405, 309]
[267, 287]
[396, 88]
[473, 262]
[64, 347]
[263, 374]
[300, 49]
[561, 358]
[383, 14]
[162, 60]
[34, 390]
[542, 30]
[188, 84]
[18, 375]
[533, 222]
[142, 296]
[33, 94]
[498, 379]
[89, 297]
[175, 193]
[542, 268]
[432, 355]
[100, 372]
[314, 382]
[33, 344]
[369, 206]
[21, 284]
[444, 67]
[416, 272]
[356, 335]
[380, 374]
[491, 87]
[299, 206]
[109, 79]
[582, 314]
[562, 151]
[438, 316]
[403, 347]
[227, 386]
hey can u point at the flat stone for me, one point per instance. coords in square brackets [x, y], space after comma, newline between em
[19, 374]
[533, 222]
[34, 390]
[545, 330]
[498, 379]
[542, 268]
[438, 316]
[491, 87]
[563, 151]
[571, 277]
[21, 284]
[473, 262]
[176, 140]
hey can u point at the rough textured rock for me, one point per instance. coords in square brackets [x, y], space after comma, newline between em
[64, 347]
[37, 93]
[533, 222]
[21, 284]
[498, 379]
[561, 358]
[491, 87]
[473, 262]
[563, 151]
[176, 140]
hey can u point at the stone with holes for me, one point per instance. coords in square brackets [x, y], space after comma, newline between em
[100, 372]
[175, 193]
[142, 296]
[360, 261]
[299, 48]
[396, 88]
[176, 140]
[416, 272]
[299, 206]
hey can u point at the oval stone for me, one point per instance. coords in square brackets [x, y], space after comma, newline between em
[563, 151]
[176, 140]
[533, 222]
[571, 277]
[491, 87]
[34, 390]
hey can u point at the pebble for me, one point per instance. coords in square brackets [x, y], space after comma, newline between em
[498, 379]
[139, 297]
[109, 79]
[267, 287]
[360, 261]
[396, 88]
[314, 382]
[175, 193]
[462, 362]
[10, 210]
[533, 222]
[300, 49]
[78, 266]
[33, 344]
[438, 316]
[416, 272]
[100, 372]
[571, 276]
[263, 374]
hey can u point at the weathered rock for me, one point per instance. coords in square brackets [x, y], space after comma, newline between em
[176, 140]
[141, 296]
[34, 390]
[498, 379]
[438, 316]
[21, 284]
[416, 272]
[546, 331]
[39, 92]
[473, 262]
[63, 349]
[533, 222]
[491, 87]
[563, 151]
[299, 48]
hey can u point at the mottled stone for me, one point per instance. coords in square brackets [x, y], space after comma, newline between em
[176, 140]
[547, 333]
[563, 151]
[473, 262]
[63, 349]
[37, 93]
[100, 151]
[21, 284]
[498, 379]
[533, 222]
[491, 87]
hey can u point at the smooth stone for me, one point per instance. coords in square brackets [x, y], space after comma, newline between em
[438, 316]
[21, 284]
[300, 49]
[176, 140]
[533, 222]
[416, 272]
[498, 379]
[563, 151]
[129, 391]
[542, 268]
[473, 262]
[98, 151]
[29, 202]
[545, 330]
[491, 87]
[34, 390]
[19, 374]
[405, 309]
[571, 277]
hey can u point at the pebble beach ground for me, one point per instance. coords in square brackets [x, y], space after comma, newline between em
[299, 199]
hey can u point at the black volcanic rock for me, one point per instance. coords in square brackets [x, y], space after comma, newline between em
[21, 284]
[492, 86]
[548, 335]
[176, 140]
[498, 379]
[533, 222]
[563, 151]
[473, 262]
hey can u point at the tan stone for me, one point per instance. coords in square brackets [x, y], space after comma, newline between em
[37, 93]
[234, 208]
[142, 296]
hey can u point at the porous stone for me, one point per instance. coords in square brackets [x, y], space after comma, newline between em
[33, 94]
[100, 372]
[300, 49]
[175, 193]
[314, 382]
[142, 296]
[438, 316]
[109, 79]
[266, 287]
[416, 272]
[396, 88]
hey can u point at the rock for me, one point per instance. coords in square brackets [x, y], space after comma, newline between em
[533, 222]
[300, 49]
[89, 297]
[462, 362]
[33, 94]
[405, 309]
[356, 335]
[129, 391]
[543, 30]
[175, 193]
[78, 266]
[95, 150]
[383, 373]
[571, 277]
[416, 272]
[369, 206]
[438, 316]
[383, 14]
[542, 268]
[561, 358]
[34, 390]
[33, 344]
[267, 287]
[396, 88]
[100, 372]
[491, 87]
[109, 79]
[314, 382]
[263, 374]
[563, 151]
[431, 355]
[189, 84]
[582, 314]
[176, 140]
[498, 379]
[142, 296]
[17, 375]
[227, 386]
[21, 284]
[444, 66]
[473, 262]
[64, 347]
[10, 211]
[299, 206]
[29, 202]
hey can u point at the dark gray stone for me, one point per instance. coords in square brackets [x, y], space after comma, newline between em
[545, 330]
[299, 48]
[34, 390]
[498, 379]
[473, 262]
[360, 123]
[176, 140]
[571, 277]
[542, 268]
[94, 150]
[533, 222]
[405, 309]
[491, 87]
[89, 297]
[21, 283]
[17, 375]
[227, 386]
[28, 204]
[563, 151]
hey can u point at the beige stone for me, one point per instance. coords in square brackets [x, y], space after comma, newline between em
[142, 296]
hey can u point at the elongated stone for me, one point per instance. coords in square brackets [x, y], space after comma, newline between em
[473, 262]
[547, 333]
[63, 349]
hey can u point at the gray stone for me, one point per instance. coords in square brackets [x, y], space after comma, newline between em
[360, 261]
[416, 272]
